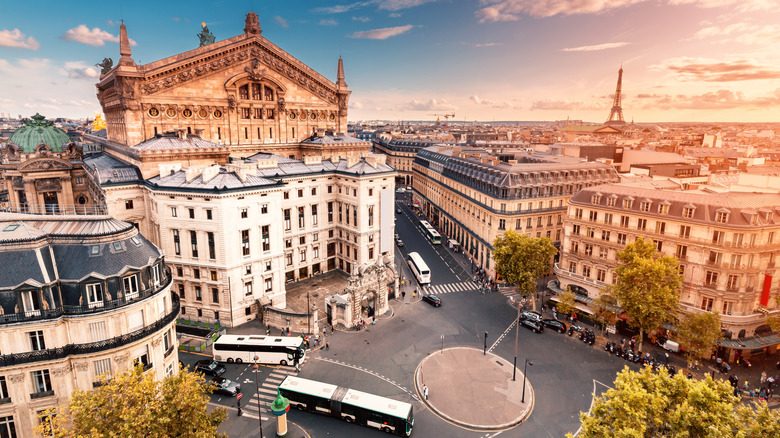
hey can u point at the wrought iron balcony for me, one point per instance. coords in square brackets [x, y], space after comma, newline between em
[42, 394]
[93, 347]
[54, 209]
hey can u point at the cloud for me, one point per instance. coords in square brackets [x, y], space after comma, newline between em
[383, 5]
[361, 19]
[710, 70]
[176, 19]
[79, 70]
[15, 38]
[328, 22]
[356, 105]
[94, 37]
[282, 22]
[476, 99]
[561, 104]
[338, 9]
[394, 15]
[397, 5]
[716, 100]
[431, 105]
[740, 5]
[745, 33]
[488, 44]
[510, 10]
[381, 34]
[593, 48]
[503, 105]
[112, 23]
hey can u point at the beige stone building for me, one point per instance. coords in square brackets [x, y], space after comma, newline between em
[87, 295]
[473, 195]
[727, 244]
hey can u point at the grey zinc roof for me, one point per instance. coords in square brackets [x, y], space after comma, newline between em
[223, 180]
[107, 169]
[167, 142]
[19, 267]
[333, 139]
[74, 261]
[738, 204]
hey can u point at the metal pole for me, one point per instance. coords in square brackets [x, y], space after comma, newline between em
[484, 351]
[517, 329]
[256, 368]
[525, 369]
[308, 314]
[442, 345]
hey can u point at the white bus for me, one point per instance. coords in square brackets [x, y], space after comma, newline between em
[433, 236]
[268, 349]
[419, 268]
[386, 414]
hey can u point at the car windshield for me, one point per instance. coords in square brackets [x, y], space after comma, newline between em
[212, 366]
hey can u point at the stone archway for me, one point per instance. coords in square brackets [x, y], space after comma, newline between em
[368, 304]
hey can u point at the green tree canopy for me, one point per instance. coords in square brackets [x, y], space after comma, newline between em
[521, 260]
[648, 286]
[697, 333]
[649, 404]
[566, 302]
[605, 310]
[135, 404]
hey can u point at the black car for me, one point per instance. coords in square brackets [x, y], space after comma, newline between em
[530, 314]
[555, 325]
[210, 367]
[532, 325]
[225, 386]
[432, 299]
[398, 210]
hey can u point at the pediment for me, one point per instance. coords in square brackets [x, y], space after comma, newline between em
[241, 56]
[44, 165]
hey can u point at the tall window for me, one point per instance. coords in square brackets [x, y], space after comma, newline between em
[7, 427]
[3, 393]
[316, 252]
[130, 284]
[212, 246]
[314, 214]
[198, 294]
[685, 231]
[214, 295]
[706, 304]
[41, 381]
[330, 211]
[95, 295]
[176, 242]
[303, 255]
[102, 367]
[244, 242]
[287, 224]
[624, 221]
[266, 237]
[248, 288]
[711, 279]
[36, 340]
[289, 258]
[660, 227]
[194, 243]
[173, 211]
[733, 282]
[301, 212]
[370, 215]
[269, 284]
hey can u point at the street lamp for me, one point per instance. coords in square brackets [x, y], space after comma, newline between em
[525, 368]
[256, 368]
[517, 329]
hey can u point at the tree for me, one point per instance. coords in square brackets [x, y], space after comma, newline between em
[648, 404]
[605, 310]
[521, 260]
[565, 304]
[648, 286]
[135, 404]
[697, 334]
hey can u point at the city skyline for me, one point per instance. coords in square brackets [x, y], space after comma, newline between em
[683, 60]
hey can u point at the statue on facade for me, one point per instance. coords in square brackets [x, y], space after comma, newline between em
[205, 36]
[256, 71]
[105, 66]
[252, 24]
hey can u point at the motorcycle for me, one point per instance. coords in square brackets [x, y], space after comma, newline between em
[574, 328]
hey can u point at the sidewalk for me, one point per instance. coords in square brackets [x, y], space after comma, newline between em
[474, 390]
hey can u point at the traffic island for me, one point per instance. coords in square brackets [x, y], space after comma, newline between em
[473, 390]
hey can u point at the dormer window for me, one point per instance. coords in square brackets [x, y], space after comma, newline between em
[130, 284]
[628, 202]
[722, 216]
[117, 246]
[94, 295]
[645, 206]
[688, 211]
[611, 201]
[595, 199]
[663, 208]
[94, 250]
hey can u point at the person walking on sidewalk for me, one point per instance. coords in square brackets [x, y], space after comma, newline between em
[327, 345]
[296, 362]
[425, 391]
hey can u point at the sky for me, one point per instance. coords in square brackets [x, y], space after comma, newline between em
[484, 60]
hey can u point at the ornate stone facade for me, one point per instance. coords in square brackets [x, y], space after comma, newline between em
[366, 294]
[244, 92]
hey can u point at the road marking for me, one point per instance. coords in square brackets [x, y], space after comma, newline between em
[502, 336]
[355, 367]
[592, 400]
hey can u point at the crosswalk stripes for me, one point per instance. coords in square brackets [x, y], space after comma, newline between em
[267, 393]
[450, 288]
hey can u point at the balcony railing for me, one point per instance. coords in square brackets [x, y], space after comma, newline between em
[53, 209]
[42, 394]
[93, 347]
[65, 310]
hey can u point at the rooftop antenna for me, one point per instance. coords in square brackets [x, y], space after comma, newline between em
[121, 14]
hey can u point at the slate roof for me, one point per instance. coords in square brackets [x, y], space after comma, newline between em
[739, 205]
[107, 169]
[333, 139]
[172, 142]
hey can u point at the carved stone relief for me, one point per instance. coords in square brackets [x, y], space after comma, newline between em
[48, 185]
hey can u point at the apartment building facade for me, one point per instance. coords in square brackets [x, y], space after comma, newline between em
[473, 195]
[235, 235]
[726, 242]
[81, 296]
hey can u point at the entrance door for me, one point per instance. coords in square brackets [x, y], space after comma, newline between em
[50, 202]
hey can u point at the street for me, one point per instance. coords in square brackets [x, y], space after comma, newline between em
[382, 358]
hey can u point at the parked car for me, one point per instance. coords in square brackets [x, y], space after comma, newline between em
[530, 314]
[554, 324]
[433, 300]
[210, 367]
[225, 386]
[532, 325]
[399, 242]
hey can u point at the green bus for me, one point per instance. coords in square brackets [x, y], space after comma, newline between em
[385, 414]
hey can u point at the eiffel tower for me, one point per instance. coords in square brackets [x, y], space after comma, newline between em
[616, 113]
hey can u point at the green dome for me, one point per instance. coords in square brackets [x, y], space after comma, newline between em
[36, 131]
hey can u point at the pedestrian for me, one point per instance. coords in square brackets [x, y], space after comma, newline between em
[425, 391]
[331, 330]
[296, 362]
[267, 331]
[747, 385]
[403, 295]
[327, 345]
[763, 377]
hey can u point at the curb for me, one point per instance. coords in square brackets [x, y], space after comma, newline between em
[477, 427]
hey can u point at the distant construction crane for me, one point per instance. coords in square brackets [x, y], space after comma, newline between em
[446, 117]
